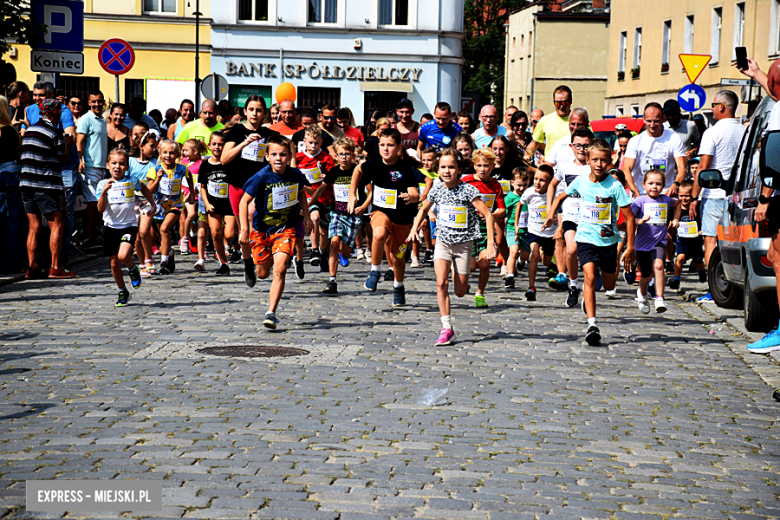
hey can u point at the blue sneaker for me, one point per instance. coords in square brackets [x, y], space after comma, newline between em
[343, 262]
[707, 298]
[271, 321]
[599, 281]
[766, 344]
[135, 276]
[651, 291]
[372, 281]
[399, 296]
[559, 282]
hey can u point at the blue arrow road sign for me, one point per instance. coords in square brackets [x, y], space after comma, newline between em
[64, 21]
[692, 98]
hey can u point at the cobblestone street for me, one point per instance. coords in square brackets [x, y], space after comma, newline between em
[670, 418]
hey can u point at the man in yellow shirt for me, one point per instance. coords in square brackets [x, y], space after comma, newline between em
[202, 127]
[552, 126]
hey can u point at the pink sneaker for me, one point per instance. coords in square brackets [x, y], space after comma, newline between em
[445, 337]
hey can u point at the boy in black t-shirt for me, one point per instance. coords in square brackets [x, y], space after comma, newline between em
[214, 191]
[343, 227]
[394, 202]
[689, 241]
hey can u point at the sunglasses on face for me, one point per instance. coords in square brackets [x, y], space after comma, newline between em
[75, 103]
[562, 103]
[329, 118]
[716, 104]
[534, 121]
[519, 124]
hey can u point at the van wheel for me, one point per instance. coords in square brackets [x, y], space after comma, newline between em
[760, 309]
[723, 293]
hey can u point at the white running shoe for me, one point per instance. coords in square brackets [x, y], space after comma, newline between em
[503, 271]
[660, 306]
[415, 262]
[611, 294]
[642, 303]
[184, 246]
[200, 265]
[360, 255]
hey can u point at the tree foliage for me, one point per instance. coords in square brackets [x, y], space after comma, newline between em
[15, 24]
[484, 47]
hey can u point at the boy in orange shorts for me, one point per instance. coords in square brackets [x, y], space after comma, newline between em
[281, 201]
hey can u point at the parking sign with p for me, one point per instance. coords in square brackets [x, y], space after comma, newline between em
[64, 20]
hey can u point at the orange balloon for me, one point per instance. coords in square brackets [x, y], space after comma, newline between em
[285, 92]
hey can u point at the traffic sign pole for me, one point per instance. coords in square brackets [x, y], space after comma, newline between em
[116, 57]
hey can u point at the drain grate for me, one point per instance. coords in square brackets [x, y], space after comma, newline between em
[253, 351]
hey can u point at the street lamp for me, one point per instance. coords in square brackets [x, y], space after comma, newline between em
[197, 15]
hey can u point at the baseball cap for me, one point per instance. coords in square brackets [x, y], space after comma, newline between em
[698, 117]
[621, 126]
[671, 106]
[405, 103]
[694, 160]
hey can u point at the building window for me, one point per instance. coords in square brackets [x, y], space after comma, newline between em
[392, 12]
[160, 6]
[522, 45]
[634, 110]
[382, 101]
[688, 44]
[322, 11]
[717, 26]
[133, 88]
[308, 97]
[622, 58]
[79, 85]
[530, 42]
[667, 45]
[253, 10]
[739, 28]
[619, 111]
[637, 47]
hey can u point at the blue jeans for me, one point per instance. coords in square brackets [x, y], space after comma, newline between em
[69, 178]
[13, 220]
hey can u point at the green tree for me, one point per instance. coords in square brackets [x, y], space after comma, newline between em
[484, 47]
[15, 23]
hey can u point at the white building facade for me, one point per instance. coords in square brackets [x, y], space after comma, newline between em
[361, 54]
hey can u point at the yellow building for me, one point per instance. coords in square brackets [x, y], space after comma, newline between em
[162, 33]
[646, 39]
[550, 47]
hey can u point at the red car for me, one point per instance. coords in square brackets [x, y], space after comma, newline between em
[605, 128]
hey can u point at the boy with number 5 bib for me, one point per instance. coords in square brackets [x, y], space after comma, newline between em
[689, 242]
[116, 200]
[597, 234]
[281, 200]
[651, 212]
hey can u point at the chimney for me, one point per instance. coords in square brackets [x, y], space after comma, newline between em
[555, 5]
[598, 4]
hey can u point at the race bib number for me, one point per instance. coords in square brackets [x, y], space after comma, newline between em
[313, 175]
[170, 187]
[454, 217]
[385, 198]
[254, 151]
[538, 214]
[571, 211]
[688, 230]
[596, 212]
[341, 192]
[522, 221]
[489, 199]
[121, 192]
[285, 196]
[657, 212]
[505, 186]
[218, 190]
[653, 164]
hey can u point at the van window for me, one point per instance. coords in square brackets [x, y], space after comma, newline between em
[749, 178]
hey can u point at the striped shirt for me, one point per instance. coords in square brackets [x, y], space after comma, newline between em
[42, 146]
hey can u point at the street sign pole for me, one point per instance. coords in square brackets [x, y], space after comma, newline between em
[116, 84]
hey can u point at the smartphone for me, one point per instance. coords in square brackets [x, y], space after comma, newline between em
[742, 63]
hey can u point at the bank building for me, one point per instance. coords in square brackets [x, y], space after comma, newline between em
[363, 54]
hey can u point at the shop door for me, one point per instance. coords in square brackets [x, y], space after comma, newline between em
[382, 101]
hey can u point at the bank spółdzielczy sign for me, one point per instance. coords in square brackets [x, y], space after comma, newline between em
[315, 71]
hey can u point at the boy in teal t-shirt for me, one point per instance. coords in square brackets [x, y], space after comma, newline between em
[517, 225]
[601, 197]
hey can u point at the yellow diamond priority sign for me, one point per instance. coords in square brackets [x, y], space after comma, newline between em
[694, 64]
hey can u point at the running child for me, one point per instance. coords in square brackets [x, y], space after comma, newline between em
[651, 217]
[313, 162]
[364, 200]
[540, 236]
[343, 226]
[165, 181]
[493, 196]
[597, 235]
[516, 237]
[191, 153]
[567, 173]
[459, 227]
[689, 241]
[143, 152]
[116, 200]
[215, 196]
[281, 200]
[428, 160]
[394, 195]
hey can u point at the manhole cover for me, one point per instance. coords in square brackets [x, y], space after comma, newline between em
[253, 351]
